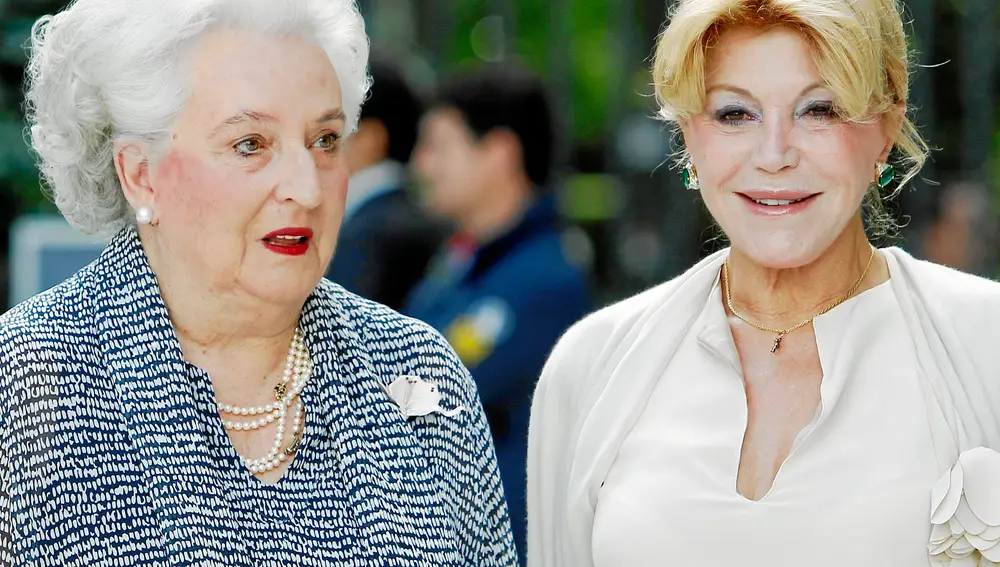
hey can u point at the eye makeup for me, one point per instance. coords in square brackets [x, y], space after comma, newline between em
[820, 109]
[738, 113]
[735, 114]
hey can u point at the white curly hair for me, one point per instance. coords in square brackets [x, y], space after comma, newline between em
[104, 71]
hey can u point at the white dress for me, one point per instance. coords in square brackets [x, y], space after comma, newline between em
[855, 489]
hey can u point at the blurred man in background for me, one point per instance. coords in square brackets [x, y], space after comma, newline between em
[964, 232]
[502, 290]
[386, 240]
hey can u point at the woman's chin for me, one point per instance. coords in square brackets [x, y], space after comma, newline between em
[781, 253]
[286, 291]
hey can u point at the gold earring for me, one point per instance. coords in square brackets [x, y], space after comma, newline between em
[689, 176]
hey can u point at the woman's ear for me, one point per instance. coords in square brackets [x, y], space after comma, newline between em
[684, 130]
[132, 164]
[892, 127]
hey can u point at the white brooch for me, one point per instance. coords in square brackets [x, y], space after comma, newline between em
[417, 398]
[965, 512]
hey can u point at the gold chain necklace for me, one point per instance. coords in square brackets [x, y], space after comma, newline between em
[780, 333]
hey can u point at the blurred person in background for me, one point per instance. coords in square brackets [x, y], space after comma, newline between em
[386, 239]
[800, 398]
[964, 232]
[200, 394]
[503, 289]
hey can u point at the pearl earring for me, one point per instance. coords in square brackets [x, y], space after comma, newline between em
[144, 215]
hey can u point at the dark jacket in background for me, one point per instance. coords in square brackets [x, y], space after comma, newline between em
[502, 305]
[386, 240]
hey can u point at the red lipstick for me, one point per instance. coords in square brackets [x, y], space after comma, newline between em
[291, 241]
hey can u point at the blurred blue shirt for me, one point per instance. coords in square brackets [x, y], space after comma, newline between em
[502, 305]
[386, 240]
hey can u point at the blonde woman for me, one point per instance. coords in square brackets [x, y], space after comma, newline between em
[801, 398]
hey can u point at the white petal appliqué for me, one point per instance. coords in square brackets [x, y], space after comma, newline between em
[965, 517]
[417, 398]
[982, 484]
[946, 501]
[965, 512]
[940, 533]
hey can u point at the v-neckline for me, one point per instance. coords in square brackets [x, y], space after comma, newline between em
[715, 335]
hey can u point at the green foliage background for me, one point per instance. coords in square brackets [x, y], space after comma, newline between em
[19, 187]
[589, 57]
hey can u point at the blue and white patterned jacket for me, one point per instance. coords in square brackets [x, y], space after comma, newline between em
[112, 452]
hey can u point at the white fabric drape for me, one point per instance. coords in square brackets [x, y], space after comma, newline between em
[601, 373]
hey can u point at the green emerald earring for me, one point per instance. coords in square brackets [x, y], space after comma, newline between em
[689, 176]
[884, 174]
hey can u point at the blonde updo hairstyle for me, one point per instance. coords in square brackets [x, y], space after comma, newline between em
[859, 49]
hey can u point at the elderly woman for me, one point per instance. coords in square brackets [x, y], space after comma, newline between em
[199, 395]
[800, 398]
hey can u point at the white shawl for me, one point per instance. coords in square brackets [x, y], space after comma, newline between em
[596, 383]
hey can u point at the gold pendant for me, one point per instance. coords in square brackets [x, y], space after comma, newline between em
[777, 343]
[294, 447]
[280, 390]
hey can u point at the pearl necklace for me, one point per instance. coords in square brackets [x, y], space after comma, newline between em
[298, 370]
